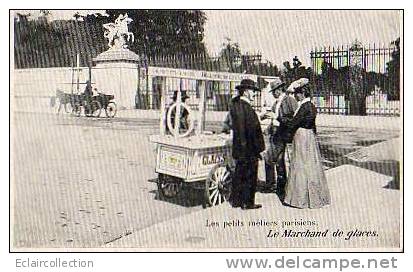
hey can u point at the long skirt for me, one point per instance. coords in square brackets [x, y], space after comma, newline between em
[307, 184]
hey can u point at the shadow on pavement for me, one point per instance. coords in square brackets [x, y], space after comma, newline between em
[389, 168]
[187, 197]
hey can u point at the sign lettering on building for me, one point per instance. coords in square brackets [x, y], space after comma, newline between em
[200, 75]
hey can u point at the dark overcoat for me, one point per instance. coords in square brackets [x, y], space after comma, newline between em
[248, 141]
[285, 115]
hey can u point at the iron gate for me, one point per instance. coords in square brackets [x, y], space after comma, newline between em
[357, 80]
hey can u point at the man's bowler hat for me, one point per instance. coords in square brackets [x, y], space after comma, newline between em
[247, 84]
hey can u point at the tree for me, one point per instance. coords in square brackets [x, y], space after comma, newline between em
[36, 42]
[231, 59]
[332, 81]
[230, 55]
[393, 72]
[42, 43]
[295, 71]
[165, 32]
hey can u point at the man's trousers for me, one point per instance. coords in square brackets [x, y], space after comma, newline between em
[244, 182]
[276, 152]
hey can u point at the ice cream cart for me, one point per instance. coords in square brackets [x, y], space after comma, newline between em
[200, 161]
[191, 156]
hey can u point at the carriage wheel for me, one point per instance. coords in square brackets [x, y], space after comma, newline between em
[93, 109]
[77, 109]
[96, 108]
[218, 185]
[168, 187]
[111, 109]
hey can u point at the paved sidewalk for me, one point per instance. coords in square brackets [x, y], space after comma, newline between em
[383, 151]
[360, 205]
[367, 122]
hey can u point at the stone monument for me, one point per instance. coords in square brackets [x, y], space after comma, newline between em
[357, 92]
[116, 69]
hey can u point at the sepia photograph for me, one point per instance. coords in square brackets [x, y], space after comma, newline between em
[206, 130]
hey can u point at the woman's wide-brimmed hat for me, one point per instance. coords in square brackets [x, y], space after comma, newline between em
[296, 86]
[247, 84]
[276, 84]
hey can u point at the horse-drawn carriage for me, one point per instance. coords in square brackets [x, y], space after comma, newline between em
[91, 106]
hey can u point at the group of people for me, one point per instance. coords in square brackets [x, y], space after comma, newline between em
[292, 118]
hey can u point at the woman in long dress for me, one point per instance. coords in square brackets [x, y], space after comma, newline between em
[307, 184]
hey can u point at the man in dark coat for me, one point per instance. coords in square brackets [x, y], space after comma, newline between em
[247, 144]
[88, 94]
[281, 113]
[88, 89]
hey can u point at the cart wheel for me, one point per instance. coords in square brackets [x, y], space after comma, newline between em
[168, 187]
[111, 110]
[93, 109]
[218, 185]
[76, 110]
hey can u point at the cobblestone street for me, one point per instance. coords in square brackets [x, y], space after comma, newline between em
[85, 182]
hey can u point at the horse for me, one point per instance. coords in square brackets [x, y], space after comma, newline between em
[123, 28]
[61, 98]
[115, 32]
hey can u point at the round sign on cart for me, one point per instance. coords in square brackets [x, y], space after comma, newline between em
[171, 127]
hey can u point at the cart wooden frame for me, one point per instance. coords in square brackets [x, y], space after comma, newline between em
[192, 158]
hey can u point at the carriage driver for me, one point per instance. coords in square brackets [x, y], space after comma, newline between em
[88, 92]
[88, 89]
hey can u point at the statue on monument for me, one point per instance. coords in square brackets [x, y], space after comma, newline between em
[116, 32]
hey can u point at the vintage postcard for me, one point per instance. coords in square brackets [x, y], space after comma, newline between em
[206, 130]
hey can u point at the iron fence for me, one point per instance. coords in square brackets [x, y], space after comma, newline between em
[346, 80]
[357, 80]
